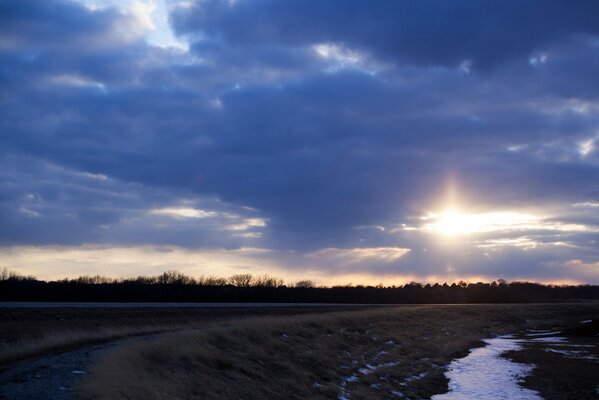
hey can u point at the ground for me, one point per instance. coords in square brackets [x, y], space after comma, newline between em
[376, 353]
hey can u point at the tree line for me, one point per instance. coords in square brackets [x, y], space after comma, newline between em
[173, 286]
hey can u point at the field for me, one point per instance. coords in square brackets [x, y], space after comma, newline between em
[28, 332]
[287, 352]
[390, 352]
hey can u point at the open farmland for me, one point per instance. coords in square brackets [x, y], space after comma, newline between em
[28, 331]
[393, 352]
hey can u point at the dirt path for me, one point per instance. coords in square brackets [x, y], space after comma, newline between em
[54, 377]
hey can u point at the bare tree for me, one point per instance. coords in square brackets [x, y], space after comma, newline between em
[175, 277]
[268, 281]
[305, 284]
[241, 280]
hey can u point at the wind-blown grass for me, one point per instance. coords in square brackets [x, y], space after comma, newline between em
[31, 332]
[367, 354]
[68, 340]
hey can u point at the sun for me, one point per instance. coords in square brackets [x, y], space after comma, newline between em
[452, 222]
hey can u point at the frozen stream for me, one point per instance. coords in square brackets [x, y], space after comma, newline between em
[484, 374]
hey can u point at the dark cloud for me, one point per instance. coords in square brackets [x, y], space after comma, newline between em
[100, 129]
[431, 32]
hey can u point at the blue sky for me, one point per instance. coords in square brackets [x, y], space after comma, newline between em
[339, 141]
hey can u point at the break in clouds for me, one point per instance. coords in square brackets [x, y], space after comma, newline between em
[305, 139]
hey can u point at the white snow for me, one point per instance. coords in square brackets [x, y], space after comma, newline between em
[343, 394]
[543, 333]
[574, 354]
[484, 374]
[551, 339]
[413, 378]
[586, 321]
[78, 372]
[367, 370]
[370, 368]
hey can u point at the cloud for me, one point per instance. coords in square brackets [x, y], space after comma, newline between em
[432, 32]
[294, 128]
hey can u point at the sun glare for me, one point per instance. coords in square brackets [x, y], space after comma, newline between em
[453, 222]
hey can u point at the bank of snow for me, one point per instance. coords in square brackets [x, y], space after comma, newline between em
[484, 374]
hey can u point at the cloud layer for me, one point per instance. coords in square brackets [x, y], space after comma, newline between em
[323, 134]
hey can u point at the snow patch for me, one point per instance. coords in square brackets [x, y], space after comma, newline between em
[369, 369]
[543, 333]
[413, 378]
[552, 339]
[78, 372]
[574, 354]
[484, 374]
[343, 393]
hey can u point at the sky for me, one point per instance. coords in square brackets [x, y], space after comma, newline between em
[338, 141]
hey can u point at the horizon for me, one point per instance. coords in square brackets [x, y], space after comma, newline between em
[334, 142]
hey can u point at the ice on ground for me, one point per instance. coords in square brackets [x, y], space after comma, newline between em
[484, 374]
[370, 368]
[574, 354]
[343, 393]
[413, 378]
[586, 321]
[551, 339]
[543, 333]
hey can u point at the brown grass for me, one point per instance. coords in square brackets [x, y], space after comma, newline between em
[32, 332]
[69, 340]
[307, 357]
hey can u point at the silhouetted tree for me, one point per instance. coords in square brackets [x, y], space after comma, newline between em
[305, 284]
[241, 280]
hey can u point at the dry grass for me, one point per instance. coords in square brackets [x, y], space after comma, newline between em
[31, 332]
[68, 340]
[309, 356]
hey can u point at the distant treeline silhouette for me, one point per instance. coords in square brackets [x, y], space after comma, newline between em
[173, 286]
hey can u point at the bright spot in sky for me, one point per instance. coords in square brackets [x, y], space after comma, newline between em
[152, 16]
[453, 222]
[183, 212]
[586, 147]
[337, 53]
